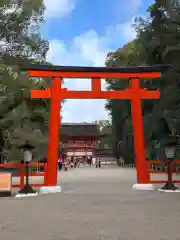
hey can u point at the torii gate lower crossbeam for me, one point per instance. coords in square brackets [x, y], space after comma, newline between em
[134, 93]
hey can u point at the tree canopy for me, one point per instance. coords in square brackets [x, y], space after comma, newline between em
[21, 41]
[157, 42]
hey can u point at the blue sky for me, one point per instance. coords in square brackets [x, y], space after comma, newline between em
[81, 33]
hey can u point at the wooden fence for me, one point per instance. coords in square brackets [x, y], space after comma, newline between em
[20, 172]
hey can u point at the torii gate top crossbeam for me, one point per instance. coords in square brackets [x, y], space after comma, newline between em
[35, 70]
[96, 74]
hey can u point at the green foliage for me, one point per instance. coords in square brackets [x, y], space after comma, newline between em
[157, 42]
[20, 21]
[21, 41]
[106, 140]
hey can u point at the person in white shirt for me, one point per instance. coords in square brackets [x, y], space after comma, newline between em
[98, 162]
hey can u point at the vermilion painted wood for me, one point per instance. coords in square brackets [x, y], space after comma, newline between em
[22, 174]
[176, 181]
[154, 162]
[16, 186]
[134, 93]
[165, 171]
[176, 162]
[146, 75]
[96, 84]
[163, 181]
[36, 164]
[37, 184]
[10, 165]
[36, 174]
[54, 126]
[158, 181]
[162, 162]
[32, 185]
[162, 172]
[125, 94]
[45, 174]
[143, 175]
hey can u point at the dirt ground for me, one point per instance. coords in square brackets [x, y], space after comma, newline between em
[94, 204]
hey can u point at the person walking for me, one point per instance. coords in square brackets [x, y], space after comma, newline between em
[90, 161]
[75, 163]
[96, 162]
[79, 162]
[65, 167]
[99, 163]
[60, 164]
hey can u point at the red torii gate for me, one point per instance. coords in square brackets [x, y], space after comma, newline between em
[134, 93]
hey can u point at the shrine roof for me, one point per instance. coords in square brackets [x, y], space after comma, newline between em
[80, 129]
[104, 152]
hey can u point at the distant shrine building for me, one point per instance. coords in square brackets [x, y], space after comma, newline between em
[79, 140]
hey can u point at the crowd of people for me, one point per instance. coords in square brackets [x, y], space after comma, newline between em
[76, 163]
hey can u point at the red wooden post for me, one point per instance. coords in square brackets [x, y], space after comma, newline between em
[73, 157]
[54, 126]
[21, 175]
[96, 84]
[143, 175]
[171, 170]
[45, 173]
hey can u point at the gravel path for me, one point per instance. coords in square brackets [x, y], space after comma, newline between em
[95, 204]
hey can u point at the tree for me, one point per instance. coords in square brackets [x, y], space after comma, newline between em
[120, 110]
[106, 129]
[20, 21]
[8, 103]
[21, 41]
[157, 42]
[162, 33]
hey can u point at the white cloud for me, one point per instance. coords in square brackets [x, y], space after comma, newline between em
[129, 7]
[76, 110]
[58, 8]
[87, 49]
[120, 33]
[134, 5]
